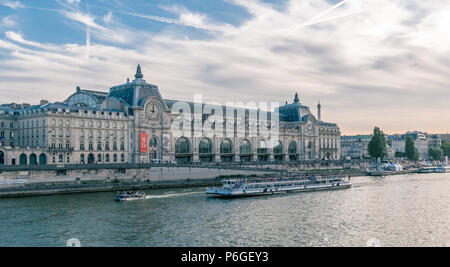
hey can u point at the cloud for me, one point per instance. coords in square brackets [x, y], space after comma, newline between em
[12, 4]
[8, 22]
[374, 62]
[185, 18]
[108, 17]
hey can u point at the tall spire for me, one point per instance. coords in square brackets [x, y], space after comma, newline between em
[296, 100]
[319, 106]
[138, 72]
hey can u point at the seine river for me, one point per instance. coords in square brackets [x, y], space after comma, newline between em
[408, 210]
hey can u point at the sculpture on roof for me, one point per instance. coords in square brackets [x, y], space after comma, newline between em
[139, 72]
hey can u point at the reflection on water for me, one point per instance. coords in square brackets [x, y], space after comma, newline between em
[408, 210]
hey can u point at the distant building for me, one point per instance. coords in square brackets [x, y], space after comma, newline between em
[422, 142]
[397, 144]
[434, 141]
[445, 138]
[355, 147]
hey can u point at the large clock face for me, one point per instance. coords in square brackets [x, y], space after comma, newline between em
[152, 111]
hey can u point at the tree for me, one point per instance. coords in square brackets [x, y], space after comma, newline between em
[377, 145]
[435, 154]
[410, 149]
[446, 148]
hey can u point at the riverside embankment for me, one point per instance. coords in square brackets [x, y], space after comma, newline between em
[53, 180]
[55, 186]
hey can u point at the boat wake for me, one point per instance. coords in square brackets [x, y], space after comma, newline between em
[172, 195]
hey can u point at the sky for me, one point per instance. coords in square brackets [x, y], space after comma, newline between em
[382, 63]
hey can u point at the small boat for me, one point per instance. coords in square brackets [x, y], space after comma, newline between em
[442, 168]
[378, 172]
[428, 169]
[270, 186]
[129, 196]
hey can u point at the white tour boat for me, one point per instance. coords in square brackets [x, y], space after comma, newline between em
[269, 186]
[129, 196]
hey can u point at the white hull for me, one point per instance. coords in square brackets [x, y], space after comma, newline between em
[437, 169]
[225, 193]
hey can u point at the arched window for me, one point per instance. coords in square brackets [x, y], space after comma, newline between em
[245, 147]
[33, 159]
[182, 146]
[205, 146]
[91, 158]
[292, 148]
[42, 159]
[226, 147]
[278, 149]
[153, 142]
[82, 100]
[23, 159]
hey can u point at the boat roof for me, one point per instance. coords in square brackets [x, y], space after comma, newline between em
[276, 181]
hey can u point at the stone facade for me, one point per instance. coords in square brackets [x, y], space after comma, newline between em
[105, 127]
[355, 147]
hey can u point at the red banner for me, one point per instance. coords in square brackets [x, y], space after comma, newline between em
[143, 142]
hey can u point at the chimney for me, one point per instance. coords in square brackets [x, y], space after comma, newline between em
[319, 106]
[44, 102]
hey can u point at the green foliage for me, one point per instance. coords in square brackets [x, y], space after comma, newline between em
[377, 145]
[435, 154]
[445, 147]
[410, 149]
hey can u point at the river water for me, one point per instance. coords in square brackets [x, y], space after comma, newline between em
[407, 210]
